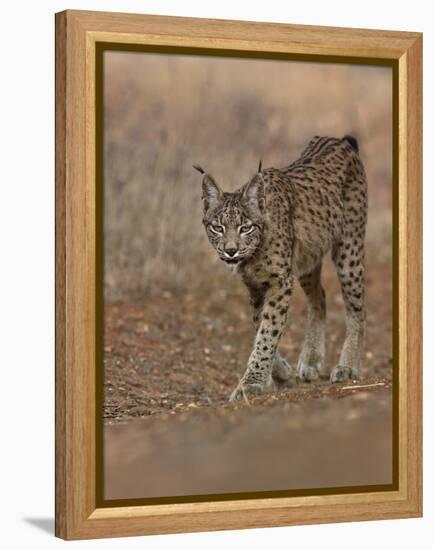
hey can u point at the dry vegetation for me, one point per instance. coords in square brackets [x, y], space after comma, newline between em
[164, 113]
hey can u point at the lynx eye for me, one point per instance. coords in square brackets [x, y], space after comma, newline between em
[217, 229]
[246, 229]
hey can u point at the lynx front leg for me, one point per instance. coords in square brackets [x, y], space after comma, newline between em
[282, 372]
[271, 323]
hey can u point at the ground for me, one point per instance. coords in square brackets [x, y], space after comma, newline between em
[170, 352]
[171, 362]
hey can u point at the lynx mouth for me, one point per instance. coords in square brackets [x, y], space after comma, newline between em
[232, 260]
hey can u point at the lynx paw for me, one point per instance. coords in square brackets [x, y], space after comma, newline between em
[244, 390]
[282, 373]
[308, 373]
[343, 374]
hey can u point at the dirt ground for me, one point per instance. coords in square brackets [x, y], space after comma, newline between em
[280, 445]
[171, 361]
[172, 353]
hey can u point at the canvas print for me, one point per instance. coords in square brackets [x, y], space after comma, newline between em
[248, 329]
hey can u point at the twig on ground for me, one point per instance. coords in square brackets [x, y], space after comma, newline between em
[356, 387]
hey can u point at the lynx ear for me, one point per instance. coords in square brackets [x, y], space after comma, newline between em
[253, 193]
[211, 193]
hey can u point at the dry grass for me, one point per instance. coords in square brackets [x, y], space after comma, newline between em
[164, 113]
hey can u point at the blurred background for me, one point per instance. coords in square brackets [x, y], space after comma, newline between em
[165, 113]
[177, 321]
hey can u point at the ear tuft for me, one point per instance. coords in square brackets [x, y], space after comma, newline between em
[198, 168]
[260, 167]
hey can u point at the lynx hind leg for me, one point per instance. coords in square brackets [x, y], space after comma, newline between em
[349, 260]
[312, 359]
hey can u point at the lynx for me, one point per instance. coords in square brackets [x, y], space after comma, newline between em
[277, 228]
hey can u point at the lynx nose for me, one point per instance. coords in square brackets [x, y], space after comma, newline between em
[230, 251]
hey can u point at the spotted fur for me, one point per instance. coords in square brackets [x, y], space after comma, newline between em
[278, 227]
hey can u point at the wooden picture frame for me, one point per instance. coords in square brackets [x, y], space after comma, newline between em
[78, 34]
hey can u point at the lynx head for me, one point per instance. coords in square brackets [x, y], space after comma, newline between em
[234, 222]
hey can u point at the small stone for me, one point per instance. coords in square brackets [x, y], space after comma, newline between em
[142, 328]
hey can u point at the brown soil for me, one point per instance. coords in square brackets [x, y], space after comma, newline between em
[171, 353]
[172, 360]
